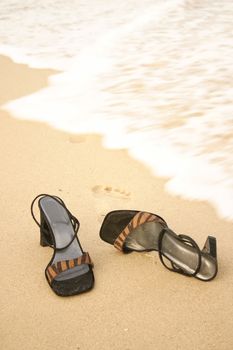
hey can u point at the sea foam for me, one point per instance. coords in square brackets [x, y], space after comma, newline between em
[155, 80]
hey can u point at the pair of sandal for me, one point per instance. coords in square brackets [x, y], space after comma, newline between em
[69, 271]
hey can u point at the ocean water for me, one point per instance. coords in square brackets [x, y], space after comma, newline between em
[152, 76]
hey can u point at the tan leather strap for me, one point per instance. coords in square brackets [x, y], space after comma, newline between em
[139, 219]
[55, 269]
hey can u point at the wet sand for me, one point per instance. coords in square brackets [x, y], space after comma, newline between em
[136, 303]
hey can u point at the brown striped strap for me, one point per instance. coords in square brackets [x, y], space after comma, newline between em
[139, 219]
[55, 269]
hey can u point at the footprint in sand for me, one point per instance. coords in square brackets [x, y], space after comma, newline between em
[77, 139]
[113, 194]
[110, 191]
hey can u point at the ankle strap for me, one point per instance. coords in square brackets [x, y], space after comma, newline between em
[74, 221]
[184, 239]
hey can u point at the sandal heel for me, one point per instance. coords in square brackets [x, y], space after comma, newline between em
[210, 246]
[45, 236]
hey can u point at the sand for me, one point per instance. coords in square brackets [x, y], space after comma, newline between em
[136, 303]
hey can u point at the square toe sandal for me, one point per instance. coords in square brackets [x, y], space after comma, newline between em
[69, 271]
[131, 230]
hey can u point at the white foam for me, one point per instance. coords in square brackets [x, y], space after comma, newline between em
[158, 84]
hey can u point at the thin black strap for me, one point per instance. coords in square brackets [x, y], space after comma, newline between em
[184, 239]
[44, 195]
[73, 219]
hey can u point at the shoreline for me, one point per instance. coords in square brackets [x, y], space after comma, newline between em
[170, 308]
[14, 84]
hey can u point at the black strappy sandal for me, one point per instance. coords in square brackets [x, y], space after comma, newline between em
[131, 230]
[69, 272]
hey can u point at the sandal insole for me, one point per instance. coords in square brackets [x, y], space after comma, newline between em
[145, 238]
[59, 221]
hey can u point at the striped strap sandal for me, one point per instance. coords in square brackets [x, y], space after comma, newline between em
[131, 230]
[69, 271]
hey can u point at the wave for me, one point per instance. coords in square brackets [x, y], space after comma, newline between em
[157, 82]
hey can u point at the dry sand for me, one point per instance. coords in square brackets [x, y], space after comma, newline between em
[136, 303]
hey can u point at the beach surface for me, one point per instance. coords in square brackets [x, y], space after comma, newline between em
[136, 303]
